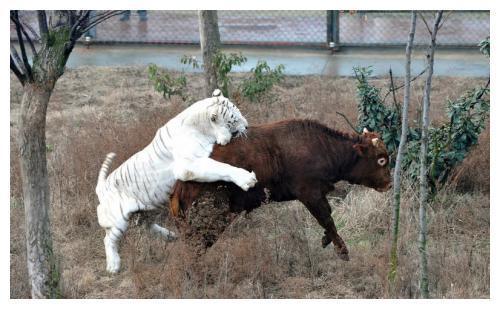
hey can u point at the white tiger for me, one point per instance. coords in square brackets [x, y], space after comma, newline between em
[179, 150]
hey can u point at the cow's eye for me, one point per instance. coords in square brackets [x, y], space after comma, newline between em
[381, 161]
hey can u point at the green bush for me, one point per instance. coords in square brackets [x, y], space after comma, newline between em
[262, 80]
[448, 144]
[166, 84]
[373, 114]
[484, 46]
[223, 63]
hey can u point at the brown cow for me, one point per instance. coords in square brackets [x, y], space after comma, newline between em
[293, 160]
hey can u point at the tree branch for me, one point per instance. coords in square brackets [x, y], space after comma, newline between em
[444, 19]
[28, 38]
[84, 15]
[391, 89]
[42, 23]
[15, 18]
[425, 22]
[348, 122]
[13, 52]
[401, 86]
[20, 76]
[99, 19]
[484, 89]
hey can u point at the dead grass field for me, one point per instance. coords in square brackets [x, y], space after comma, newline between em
[273, 252]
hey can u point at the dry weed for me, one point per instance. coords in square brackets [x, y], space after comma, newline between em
[273, 252]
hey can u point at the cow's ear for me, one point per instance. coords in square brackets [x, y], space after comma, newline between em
[360, 149]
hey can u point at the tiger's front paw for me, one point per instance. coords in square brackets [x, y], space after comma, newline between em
[247, 180]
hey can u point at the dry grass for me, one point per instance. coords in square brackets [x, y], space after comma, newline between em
[273, 252]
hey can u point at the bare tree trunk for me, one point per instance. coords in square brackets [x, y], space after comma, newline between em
[210, 42]
[48, 66]
[422, 239]
[58, 36]
[400, 155]
[41, 263]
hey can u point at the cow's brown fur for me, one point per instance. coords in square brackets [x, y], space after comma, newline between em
[294, 159]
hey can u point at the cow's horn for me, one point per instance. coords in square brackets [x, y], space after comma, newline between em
[365, 130]
[375, 141]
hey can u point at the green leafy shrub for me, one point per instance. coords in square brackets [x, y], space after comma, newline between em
[484, 46]
[448, 144]
[373, 114]
[166, 84]
[223, 65]
[262, 80]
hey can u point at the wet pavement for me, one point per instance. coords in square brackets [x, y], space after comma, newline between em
[297, 61]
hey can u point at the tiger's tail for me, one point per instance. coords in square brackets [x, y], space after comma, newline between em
[103, 173]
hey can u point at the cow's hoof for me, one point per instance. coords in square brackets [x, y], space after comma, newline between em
[325, 241]
[343, 256]
[342, 253]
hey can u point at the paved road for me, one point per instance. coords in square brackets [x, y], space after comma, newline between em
[297, 61]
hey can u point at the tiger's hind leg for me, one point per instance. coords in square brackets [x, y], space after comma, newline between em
[151, 214]
[114, 219]
[163, 232]
[111, 245]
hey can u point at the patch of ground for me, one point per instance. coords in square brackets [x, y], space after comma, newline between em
[273, 252]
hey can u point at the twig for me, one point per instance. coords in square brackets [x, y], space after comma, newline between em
[425, 22]
[348, 122]
[100, 18]
[401, 86]
[484, 89]
[444, 18]
[393, 91]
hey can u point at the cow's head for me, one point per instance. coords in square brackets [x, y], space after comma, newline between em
[372, 167]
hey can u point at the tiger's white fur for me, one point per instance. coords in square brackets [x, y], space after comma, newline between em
[179, 150]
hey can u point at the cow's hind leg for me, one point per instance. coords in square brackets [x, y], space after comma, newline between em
[321, 210]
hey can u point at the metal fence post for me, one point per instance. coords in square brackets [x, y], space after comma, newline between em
[332, 30]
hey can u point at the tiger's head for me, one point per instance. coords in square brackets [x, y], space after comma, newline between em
[226, 119]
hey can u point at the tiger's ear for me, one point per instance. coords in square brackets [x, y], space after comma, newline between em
[216, 93]
[213, 117]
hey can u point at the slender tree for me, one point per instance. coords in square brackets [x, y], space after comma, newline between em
[49, 49]
[422, 239]
[210, 42]
[400, 155]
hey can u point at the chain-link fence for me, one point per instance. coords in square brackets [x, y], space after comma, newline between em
[369, 28]
[301, 28]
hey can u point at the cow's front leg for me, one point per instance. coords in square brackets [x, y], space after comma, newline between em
[331, 235]
[209, 170]
[318, 206]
